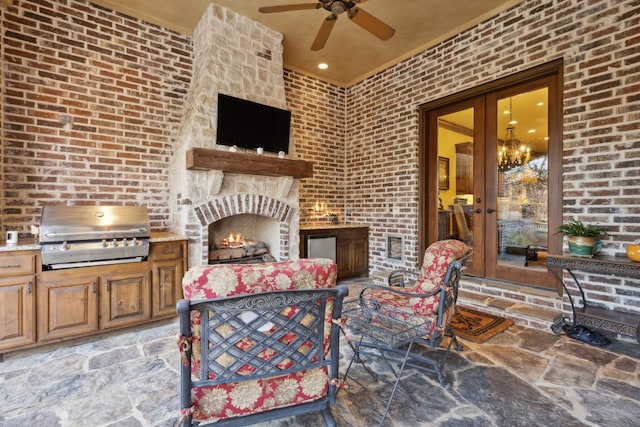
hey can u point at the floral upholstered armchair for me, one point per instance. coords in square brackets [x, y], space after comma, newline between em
[429, 301]
[259, 341]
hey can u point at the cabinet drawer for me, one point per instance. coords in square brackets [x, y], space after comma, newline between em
[163, 251]
[14, 265]
[354, 233]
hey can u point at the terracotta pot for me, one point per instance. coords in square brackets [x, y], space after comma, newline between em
[583, 246]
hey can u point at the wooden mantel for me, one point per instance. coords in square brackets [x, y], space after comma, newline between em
[247, 163]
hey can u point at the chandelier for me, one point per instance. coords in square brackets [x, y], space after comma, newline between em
[513, 152]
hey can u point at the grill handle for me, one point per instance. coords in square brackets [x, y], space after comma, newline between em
[82, 233]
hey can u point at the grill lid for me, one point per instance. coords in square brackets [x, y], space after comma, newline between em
[75, 223]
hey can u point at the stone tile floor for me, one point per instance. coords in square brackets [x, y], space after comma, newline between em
[520, 377]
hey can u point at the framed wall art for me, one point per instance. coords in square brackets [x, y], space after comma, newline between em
[443, 173]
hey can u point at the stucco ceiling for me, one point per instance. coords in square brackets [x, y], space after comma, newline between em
[351, 52]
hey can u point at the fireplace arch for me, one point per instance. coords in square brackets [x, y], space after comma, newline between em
[228, 206]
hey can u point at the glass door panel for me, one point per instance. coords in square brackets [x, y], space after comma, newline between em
[455, 175]
[521, 220]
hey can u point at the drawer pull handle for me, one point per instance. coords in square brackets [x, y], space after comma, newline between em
[10, 266]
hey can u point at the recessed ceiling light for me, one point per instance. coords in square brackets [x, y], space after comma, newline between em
[323, 66]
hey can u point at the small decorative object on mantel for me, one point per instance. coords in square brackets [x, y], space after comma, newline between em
[584, 240]
[633, 251]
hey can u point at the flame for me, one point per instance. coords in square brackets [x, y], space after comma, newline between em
[235, 241]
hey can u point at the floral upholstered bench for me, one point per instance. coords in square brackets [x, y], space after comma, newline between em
[259, 341]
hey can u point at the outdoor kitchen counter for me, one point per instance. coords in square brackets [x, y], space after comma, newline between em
[88, 300]
[32, 244]
[23, 245]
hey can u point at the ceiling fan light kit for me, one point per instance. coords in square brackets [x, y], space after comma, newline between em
[337, 7]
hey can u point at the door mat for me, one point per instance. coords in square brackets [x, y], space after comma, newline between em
[477, 326]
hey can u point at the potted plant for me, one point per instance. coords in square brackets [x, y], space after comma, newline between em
[584, 240]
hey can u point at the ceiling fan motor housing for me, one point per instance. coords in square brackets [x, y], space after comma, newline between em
[338, 6]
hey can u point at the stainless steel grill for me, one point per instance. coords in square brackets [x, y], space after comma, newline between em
[77, 236]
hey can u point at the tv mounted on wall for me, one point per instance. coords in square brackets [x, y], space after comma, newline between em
[247, 124]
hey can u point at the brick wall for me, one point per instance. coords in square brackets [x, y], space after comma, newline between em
[318, 125]
[599, 42]
[91, 99]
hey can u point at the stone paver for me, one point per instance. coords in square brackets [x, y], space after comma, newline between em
[520, 377]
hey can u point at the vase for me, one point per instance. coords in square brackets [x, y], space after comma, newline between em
[584, 246]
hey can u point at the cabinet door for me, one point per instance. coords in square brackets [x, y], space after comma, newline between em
[167, 287]
[125, 296]
[343, 258]
[67, 306]
[360, 256]
[17, 315]
[353, 252]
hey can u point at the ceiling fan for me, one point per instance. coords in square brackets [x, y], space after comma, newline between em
[337, 7]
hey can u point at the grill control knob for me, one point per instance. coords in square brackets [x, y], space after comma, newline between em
[135, 242]
[124, 242]
[114, 243]
[65, 246]
[103, 244]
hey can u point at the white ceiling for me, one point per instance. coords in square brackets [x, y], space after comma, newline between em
[351, 52]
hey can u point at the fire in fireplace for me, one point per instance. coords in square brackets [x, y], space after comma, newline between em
[237, 249]
[234, 241]
[243, 238]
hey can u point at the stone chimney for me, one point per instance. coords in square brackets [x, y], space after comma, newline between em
[236, 56]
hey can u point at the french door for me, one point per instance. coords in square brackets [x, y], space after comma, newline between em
[491, 174]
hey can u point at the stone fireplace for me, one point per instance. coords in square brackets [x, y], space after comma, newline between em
[239, 57]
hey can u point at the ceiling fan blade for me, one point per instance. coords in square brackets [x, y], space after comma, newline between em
[323, 33]
[371, 24]
[289, 7]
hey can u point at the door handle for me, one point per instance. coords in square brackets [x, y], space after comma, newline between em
[478, 211]
[491, 210]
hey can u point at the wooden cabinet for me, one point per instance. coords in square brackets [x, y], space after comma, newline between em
[81, 301]
[168, 264]
[352, 249]
[67, 304]
[18, 270]
[464, 168]
[125, 296]
[353, 252]
[39, 307]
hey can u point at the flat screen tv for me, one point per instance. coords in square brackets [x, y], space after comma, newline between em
[247, 124]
